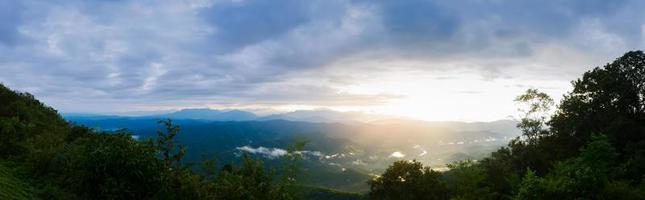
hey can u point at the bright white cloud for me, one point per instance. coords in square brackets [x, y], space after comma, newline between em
[267, 152]
[397, 154]
[273, 153]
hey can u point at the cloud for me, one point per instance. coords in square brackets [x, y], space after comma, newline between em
[397, 154]
[10, 13]
[423, 151]
[131, 54]
[273, 153]
[242, 23]
[417, 22]
[268, 152]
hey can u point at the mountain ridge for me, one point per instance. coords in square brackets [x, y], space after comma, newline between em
[314, 116]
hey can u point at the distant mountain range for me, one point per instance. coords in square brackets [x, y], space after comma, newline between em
[325, 116]
[210, 114]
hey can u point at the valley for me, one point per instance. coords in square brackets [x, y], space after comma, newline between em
[337, 155]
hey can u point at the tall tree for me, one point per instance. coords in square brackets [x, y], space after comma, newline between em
[608, 100]
[535, 107]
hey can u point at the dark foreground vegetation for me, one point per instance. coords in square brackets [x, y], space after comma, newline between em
[44, 157]
[591, 147]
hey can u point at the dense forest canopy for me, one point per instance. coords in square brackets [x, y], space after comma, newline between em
[592, 147]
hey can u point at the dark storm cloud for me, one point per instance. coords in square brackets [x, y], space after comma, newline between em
[240, 24]
[418, 22]
[475, 25]
[123, 53]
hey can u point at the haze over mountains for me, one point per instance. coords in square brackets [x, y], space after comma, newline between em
[343, 151]
[319, 115]
[209, 114]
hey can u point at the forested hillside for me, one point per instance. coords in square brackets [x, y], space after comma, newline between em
[339, 156]
[592, 147]
[42, 156]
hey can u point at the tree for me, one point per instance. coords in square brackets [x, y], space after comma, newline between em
[501, 172]
[111, 166]
[535, 110]
[290, 168]
[585, 175]
[608, 100]
[592, 147]
[31, 131]
[408, 180]
[64, 161]
[248, 181]
[180, 181]
[166, 145]
[468, 181]
[531, 187]
[535, 147]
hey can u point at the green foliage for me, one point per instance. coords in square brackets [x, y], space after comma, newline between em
[291, 165]
[166, 144]
[564, 156]
[408, 180]
[534, 114]
[608, 100]
[468, 181]
[252, 181]
[501, 173]
[27, 126]
[66, 161]
[11, 184]
[13, 132]
[618, 189]
[584, 176]
[111, 166]
[531, 188]
[248, 181]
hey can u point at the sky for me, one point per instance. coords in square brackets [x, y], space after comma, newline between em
[440, 60]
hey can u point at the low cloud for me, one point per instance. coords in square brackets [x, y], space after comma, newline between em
[267, 152]
[273, 153]
[423, 151]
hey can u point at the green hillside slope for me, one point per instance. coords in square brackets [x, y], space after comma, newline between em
[11, 186]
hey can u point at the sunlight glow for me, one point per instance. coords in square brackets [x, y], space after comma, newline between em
[451, 97]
